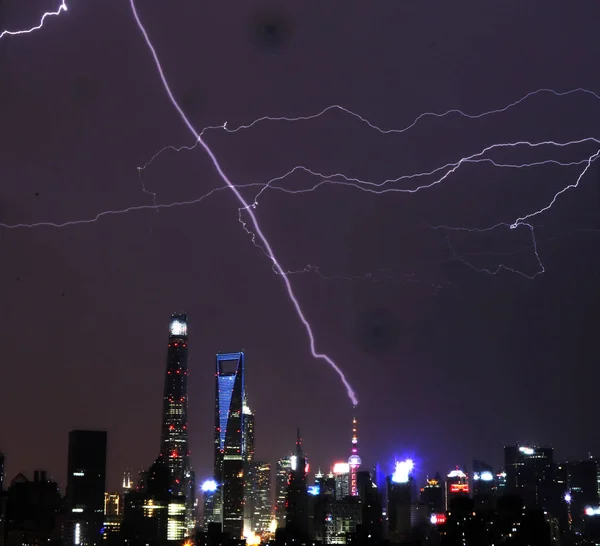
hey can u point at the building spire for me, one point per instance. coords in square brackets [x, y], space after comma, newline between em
[354, 461]
[299, 452]
[354, 434]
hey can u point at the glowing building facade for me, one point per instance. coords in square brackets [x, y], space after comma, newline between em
[211, 512]
[401, 494]
[342, 476]
[174, 449]
[249, 478]
[260, 497]
[457, 485]
[282, 481]
[230, 448]
[113, 515]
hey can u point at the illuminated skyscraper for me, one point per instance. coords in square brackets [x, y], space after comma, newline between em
[457, 485]
[128, 483]
[230, 456]
[174, 450]
[261, 508]
[342, 474]
[248, 432]
[249, 470]
[211, 512]
[354, 461]
[433, 495]
[282, 482]
[401, 494]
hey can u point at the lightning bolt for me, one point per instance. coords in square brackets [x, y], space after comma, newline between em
[62, 7]
[501, 267]
[372, 187]
[244, 204]
[248, 207]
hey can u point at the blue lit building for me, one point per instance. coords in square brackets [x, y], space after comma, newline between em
[230, 448]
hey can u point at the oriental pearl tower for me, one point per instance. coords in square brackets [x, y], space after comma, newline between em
[354, 461]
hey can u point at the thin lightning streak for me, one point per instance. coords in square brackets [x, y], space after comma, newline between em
[452, 168]
[62, 7]
[417, 119]
[362, 185]
[520, 221]
[541, 268]
[333, 179]
[242, 201]
[118, 212]
[376, 127]
[144, 190]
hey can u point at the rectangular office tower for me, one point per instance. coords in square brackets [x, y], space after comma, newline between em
[86, 481]
[530, 474]
[229, 440]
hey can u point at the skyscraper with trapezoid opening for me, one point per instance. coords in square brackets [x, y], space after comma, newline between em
[229, 440]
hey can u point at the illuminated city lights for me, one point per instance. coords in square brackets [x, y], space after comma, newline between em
[485, 476]
[437, 519]
[403, 471]
[341, 468]
[209, 486]
[178, 328]
[457, 474]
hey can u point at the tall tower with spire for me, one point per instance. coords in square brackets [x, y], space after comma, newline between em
[174, 449]
[354, 461]
[297, 520]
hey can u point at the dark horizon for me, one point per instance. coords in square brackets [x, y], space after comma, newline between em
[449, 362]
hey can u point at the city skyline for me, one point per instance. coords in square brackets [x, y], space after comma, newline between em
[448, 362]
[231, 398]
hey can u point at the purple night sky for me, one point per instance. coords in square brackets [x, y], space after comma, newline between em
[448, 363]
